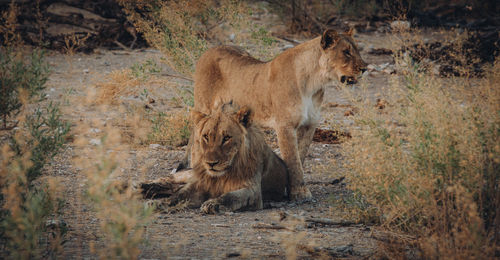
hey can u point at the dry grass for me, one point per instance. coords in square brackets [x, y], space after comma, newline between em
[171, 129]
[428, 166]
[121, 82]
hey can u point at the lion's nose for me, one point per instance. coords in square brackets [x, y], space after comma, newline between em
[363, 70]
[213, 163]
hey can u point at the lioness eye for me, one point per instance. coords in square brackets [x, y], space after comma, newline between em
[226, 138]
[347, 53]
[205, 137]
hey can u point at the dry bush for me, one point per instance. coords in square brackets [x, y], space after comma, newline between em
[171, 129]
[121, 82]
[428, 166]
[179, 29]
[8, 26]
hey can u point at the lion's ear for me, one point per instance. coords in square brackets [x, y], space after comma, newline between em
[196, 116]
[350, 32]
[329, 39]
[244, 116]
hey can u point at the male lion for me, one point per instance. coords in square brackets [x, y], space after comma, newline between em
[285, 93]
[233, 167]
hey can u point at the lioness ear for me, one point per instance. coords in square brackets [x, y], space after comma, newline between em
[196, 116]
[350, 32]
[330, 38]
[244, 116]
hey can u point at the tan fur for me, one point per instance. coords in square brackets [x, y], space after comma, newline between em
[285, 93]
[236, 173]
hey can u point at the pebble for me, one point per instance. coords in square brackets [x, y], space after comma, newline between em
[154, 146]
[400, 25]
[95, 142]
[86, 71]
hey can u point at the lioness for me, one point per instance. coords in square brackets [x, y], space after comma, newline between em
[233, 167]
[285, 93]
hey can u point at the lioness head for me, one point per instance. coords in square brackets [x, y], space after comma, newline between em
[219, 137]
[340, 57]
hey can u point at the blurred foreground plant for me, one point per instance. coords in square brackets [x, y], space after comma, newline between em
[123, 214]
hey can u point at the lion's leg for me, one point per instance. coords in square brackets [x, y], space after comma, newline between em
[287, 141]
[246, 198]
[304, 138]
[188, 193]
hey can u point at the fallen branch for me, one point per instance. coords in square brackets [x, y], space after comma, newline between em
[338, 251]
[268, 226]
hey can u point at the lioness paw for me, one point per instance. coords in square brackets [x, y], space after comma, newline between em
[300, 194]
[211, 206]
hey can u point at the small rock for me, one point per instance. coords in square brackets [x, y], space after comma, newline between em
[95, 130]
[371, 67]
[86, 71]
[287, 46]
[232, 36]
[383, 66]
[52, 89]
[154, 146]
[400, 25]
[95, 142]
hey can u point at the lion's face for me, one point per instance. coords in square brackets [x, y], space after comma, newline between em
[218, 138]
[340, 57]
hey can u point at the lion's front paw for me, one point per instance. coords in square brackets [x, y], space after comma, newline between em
[211, 206]
[301, 193]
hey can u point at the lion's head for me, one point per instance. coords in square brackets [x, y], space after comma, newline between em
[340, 56]
[220, 139]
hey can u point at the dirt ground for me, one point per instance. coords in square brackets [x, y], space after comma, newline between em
[188, 233]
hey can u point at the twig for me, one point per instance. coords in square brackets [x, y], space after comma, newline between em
[333, 182]
[220, 225]
[177, 76]
[295, 42]
[268, 226]
[121, 45]
[323, 221]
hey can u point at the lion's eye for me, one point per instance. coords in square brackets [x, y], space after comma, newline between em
[346, 52]
[226, 138]
[205, 137]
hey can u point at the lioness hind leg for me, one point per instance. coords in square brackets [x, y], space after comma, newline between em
[287, 141]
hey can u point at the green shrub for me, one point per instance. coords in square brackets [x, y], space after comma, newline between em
[30, 224]
[19, 77]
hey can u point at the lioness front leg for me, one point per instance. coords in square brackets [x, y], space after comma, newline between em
[304, 137]
[248, 198]
[287, 141]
